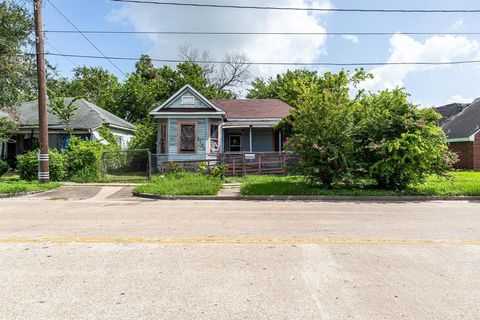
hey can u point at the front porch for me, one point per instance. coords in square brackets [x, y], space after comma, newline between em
[249, 137]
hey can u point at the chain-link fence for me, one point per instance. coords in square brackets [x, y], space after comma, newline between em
[126, 165]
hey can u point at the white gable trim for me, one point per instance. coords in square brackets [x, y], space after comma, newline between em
[179, 93]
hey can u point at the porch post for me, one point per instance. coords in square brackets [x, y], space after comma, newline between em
[250, 135]
[280, 141]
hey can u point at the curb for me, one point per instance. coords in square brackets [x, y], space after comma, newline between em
[314, 198]
[21, 194]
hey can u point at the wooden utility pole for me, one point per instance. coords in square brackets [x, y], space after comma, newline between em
[43, 173]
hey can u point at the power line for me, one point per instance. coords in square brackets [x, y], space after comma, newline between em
[73, 25]
[277, 63]
[55, 48]
[229, 6]
[260, 33]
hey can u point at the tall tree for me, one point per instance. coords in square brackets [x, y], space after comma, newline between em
[17, 70]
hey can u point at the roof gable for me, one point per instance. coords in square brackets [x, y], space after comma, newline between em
[465, 124]
[187, 100]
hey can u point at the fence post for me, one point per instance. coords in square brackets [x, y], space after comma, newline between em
[233, 167]
[104, 167]
[149, 163]
[260, 164]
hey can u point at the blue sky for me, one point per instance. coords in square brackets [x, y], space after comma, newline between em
[428, 86]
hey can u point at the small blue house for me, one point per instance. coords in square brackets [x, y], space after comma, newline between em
[191, 127]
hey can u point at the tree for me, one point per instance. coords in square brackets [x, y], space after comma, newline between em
[321, 127]
[94, 84]
[17, 70]
[63, 110]
[289, 87]
[397, 143]
[7, 126]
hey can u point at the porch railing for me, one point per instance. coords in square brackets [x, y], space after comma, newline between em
[241, 163]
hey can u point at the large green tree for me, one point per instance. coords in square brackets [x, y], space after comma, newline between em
[17, 70]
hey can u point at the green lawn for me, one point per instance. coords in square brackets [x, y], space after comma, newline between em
[181, 184]
[14, 185]
[461, 183]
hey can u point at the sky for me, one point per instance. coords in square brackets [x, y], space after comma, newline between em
[428, 85]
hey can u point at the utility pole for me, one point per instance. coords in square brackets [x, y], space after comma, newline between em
[43, 173]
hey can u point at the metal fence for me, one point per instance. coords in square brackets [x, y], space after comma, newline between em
[126, 165]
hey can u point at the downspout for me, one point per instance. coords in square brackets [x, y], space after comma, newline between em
[250, 133]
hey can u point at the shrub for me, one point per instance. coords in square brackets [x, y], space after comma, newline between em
[84, 159]
[219, 171]
[397, 143]
[173, 167]
[145, 136]
[28, 166]
[4, 167]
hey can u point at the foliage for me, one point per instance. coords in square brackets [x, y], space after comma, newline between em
[173, 167]
[219, 171]
[7, 125]
[397, 143]
[17, 70]
[326, 151]
[181, 183]
[84, 160]
[28, 165]
[109, 137]
[63, 110]
[13, 185]
[4, 167]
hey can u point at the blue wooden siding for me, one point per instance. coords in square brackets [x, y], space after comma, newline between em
[202, 132]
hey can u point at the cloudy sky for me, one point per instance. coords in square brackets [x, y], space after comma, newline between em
[429, 85]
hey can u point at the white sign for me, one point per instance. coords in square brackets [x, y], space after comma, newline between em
[249, 156]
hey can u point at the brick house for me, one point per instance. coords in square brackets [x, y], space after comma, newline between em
[461, 124]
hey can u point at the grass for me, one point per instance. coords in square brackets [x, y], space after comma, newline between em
[14, 185]
[126, 177]
[184, 183]
[460, 184]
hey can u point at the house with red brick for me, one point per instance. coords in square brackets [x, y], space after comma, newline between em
[461, 124]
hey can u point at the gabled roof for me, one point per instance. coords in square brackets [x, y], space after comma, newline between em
[254, 108]
[162, 108]
[87, 116]
[450, 110]
[465, 124]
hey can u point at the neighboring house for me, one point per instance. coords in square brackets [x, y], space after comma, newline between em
[191, 127]
[461, 125]
[85, 123]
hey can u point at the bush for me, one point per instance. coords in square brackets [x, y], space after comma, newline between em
[84, 161]
[397, 143]
[145, 136]
[28, 166]
[4, 167]
[219, 171]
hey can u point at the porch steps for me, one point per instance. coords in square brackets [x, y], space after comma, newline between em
[230, 189]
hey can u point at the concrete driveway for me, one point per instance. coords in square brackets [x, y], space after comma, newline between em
[88, 192]
[104, 258]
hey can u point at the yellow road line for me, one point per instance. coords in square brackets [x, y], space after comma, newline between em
[278, 241]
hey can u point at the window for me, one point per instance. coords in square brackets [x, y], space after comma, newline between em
[214, 138]
[188, 99]
[187, 137]
[162, 138]
[235, 143]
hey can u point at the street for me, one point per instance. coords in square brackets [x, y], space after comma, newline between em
[106, 255]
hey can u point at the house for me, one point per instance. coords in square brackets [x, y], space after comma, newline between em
[88, 118]
[192, 127]
[461, 124]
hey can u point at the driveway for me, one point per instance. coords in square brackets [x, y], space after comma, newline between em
[97, 257]
[87, 192]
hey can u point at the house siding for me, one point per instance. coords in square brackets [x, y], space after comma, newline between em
[476, 152]
[262, 140]
[468, 153]
[202, 132]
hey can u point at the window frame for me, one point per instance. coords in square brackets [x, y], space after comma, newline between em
[179, 138]
[230, 144]
[164, 137]
[188, 96]
[219, 137]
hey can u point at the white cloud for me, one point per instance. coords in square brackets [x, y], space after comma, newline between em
[406, 49]
[459, 99]
[351, 38]
[457, 24]
[257, 48]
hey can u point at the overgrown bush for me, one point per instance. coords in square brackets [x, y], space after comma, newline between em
[145, 136]
[397, 143]
[173, 167]
[4, 167]
[84, 160]
[28, 166]
[219, 171]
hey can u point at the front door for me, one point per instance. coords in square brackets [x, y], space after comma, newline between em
[235, 142]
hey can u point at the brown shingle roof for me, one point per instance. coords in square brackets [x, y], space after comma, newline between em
[253, 108]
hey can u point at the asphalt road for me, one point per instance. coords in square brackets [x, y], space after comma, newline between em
[103, 255]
